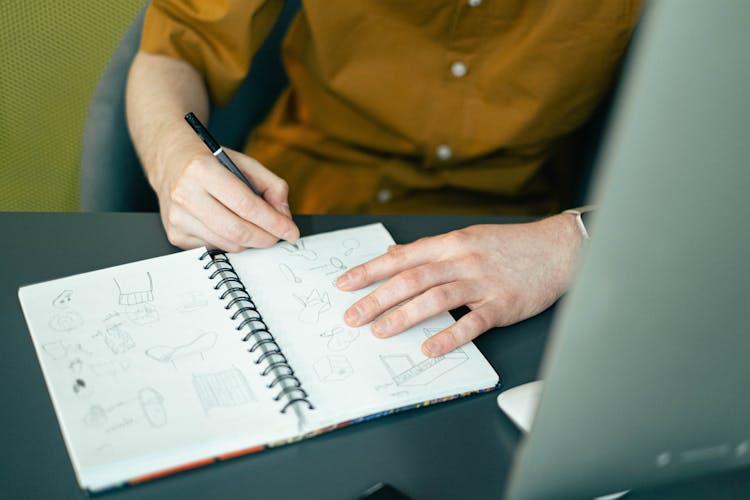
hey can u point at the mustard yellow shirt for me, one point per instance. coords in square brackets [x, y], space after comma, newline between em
[413, 106]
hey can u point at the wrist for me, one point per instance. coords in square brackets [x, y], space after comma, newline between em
[560, 243]
[569, 234]
[177, 151]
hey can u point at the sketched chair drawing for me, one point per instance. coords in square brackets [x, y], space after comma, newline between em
[111, 176]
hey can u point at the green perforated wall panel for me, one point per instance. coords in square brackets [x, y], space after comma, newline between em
[52, 54]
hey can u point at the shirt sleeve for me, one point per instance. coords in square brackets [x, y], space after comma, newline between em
[219, 39]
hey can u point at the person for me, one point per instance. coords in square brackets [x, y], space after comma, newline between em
[468, 106]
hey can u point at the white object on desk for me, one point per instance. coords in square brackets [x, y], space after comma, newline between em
[520, 404]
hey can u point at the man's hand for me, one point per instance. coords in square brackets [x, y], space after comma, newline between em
[503, 273]
[202, 203]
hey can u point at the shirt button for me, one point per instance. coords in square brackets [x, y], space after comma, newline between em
[458, 69]
[443, 152]
[475, 3]
[384, 195]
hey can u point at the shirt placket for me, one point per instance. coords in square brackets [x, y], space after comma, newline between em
[458, 58]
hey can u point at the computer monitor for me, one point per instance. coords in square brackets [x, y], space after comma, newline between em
[647, 373]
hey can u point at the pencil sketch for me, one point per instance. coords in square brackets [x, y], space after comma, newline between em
[96, 417]
[313, 306]
[169, 354]
[429, 332]
[142, 314]
[118, 340]
[134, 289]
[111, 418]
[384, 387]
[152, 404]
[99, 417]
[333, 368]
[337, 264]
[76, 349]
[334, 266]
[405, 372]
[81, 389]
[288, 273]
[60, 349]
[224, 389]
[125, 422]
[299, 249]
[191, 301]
[340, 338]
[66, 321]
[63, 300]
[76, 366]
[350, 245]
[115, 337]
[110, 368]
[56, 350]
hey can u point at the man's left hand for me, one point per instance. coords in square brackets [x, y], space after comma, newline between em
[504, 273]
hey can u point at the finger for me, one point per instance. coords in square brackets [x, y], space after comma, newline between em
[398, 259]
[227, 224]
[399, 288]
[434, 301]
[185, 241]
[195, 233]
[469, 327]
[237, 197]
[273, 188]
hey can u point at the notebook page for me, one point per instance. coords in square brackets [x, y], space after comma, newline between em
[348, 372]
[145, 369]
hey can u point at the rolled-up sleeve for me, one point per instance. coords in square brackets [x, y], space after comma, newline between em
[217, 37]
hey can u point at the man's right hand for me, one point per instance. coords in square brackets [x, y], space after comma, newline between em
[201, 202]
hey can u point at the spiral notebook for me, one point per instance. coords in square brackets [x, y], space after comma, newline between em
[170, 363]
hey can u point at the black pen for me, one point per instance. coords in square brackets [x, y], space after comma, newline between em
[216, 149]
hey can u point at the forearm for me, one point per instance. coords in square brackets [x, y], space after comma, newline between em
[160, 91]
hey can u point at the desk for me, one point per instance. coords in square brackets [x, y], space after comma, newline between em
[459, 449]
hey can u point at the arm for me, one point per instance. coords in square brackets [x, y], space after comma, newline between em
[201, 202]
[503, 273]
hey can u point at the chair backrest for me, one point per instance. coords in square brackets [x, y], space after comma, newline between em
[52, 56]
[111, 176]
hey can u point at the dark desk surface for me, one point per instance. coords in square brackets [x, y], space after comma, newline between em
[459, 449]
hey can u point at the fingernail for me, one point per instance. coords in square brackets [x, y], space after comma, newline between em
[290, 236]
[381, 327]
[285, 209]
[344, 281]
[431, 349]
[352, 315]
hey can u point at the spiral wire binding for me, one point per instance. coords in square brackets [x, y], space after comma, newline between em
[255, 330]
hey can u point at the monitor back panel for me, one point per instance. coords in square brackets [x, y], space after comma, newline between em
[648, 370]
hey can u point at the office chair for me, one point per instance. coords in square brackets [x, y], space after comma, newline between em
[112, 178]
